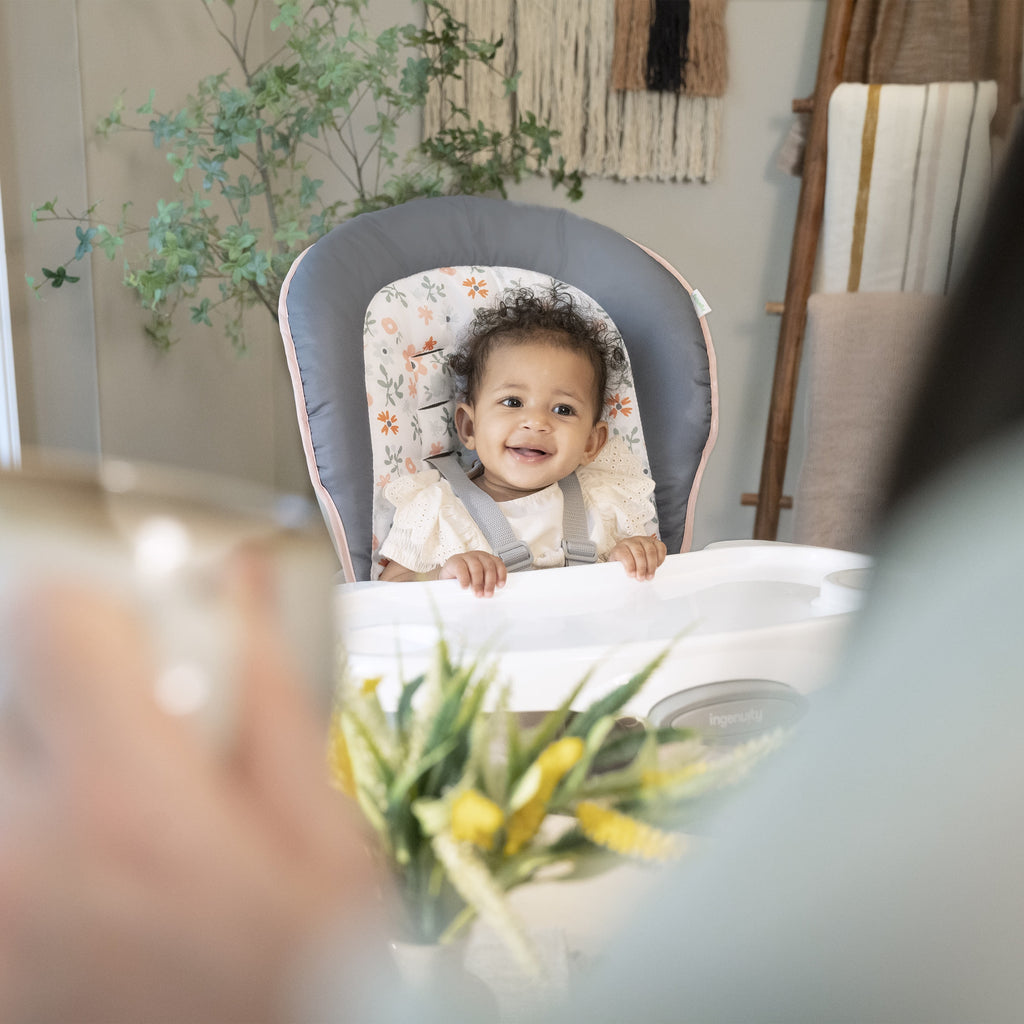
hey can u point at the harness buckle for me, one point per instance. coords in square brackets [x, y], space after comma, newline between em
[579, 552]
[516, 556]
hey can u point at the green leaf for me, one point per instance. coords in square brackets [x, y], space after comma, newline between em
[50, 207]
[147, 107]
[415, 81]
[59, 276]
[159, 332]
[613, 702]
[308, 190]
[551, 725]
[108, 242]
[291, 235]
[201, 314]
[404, 711]
[181, 165]
[84, 241]
[288, 16]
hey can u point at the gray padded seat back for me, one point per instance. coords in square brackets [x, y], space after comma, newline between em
[326, 294]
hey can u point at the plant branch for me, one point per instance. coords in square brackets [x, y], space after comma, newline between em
[216, 25]
[306, 102]
[248, 32]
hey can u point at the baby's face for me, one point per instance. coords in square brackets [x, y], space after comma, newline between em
[532, 421]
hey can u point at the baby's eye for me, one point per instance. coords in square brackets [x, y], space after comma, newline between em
[564, 410]
[512, 402]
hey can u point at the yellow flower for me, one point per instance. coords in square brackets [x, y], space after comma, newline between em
[558, 757]
[338, 761]
[476, 818]
[370, 685]
[554, 761]
[625, 835]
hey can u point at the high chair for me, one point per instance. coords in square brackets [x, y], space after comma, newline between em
[366, 314]
[367, 311]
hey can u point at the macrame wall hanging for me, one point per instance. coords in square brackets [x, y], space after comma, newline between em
[634, 87]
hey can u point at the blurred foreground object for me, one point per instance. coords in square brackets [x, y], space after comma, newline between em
[161, 539]
[874, 873]
[143, 874]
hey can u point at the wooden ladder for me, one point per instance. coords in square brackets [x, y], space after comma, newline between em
[769, 498]
[838, 18]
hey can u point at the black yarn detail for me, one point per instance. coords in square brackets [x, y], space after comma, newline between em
[666, 46]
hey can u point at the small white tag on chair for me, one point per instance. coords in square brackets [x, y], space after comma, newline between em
[700, 303]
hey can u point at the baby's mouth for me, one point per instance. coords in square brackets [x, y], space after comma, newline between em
[529, 453]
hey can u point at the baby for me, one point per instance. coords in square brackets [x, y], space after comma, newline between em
[536, 371]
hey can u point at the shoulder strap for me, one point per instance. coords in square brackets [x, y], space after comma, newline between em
[484, 509]
[579, 549]
[576, 543]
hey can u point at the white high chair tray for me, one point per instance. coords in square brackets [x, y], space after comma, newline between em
[743, 610]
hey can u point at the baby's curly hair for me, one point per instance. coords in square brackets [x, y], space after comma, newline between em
[518, 316]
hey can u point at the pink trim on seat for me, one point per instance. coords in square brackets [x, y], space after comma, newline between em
[691, 504]
[330, 510]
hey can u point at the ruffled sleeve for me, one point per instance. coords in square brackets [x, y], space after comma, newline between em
[430, 523]
[619, 497]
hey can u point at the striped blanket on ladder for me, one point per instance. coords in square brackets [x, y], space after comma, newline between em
[909, 169]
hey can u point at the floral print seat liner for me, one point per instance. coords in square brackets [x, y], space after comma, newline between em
[410, 392]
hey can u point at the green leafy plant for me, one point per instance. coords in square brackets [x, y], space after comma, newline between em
[252, 150]
[467, 803]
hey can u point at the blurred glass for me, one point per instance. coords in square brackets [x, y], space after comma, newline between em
[161, 538]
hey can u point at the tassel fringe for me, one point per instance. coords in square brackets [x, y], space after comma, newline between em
[569, 59]
[633, 19]
[707, 72]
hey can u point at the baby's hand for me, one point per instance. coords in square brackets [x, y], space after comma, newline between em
[479, 570]
[639, 555]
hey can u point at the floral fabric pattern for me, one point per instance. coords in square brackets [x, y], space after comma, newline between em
[408, 327]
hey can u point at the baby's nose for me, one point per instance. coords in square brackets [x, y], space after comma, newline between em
[538, 419]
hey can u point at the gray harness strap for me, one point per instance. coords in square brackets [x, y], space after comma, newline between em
[576, 543]
[484, 509]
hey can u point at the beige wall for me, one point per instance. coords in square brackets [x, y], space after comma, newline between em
[88, 379]
[42, 156]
